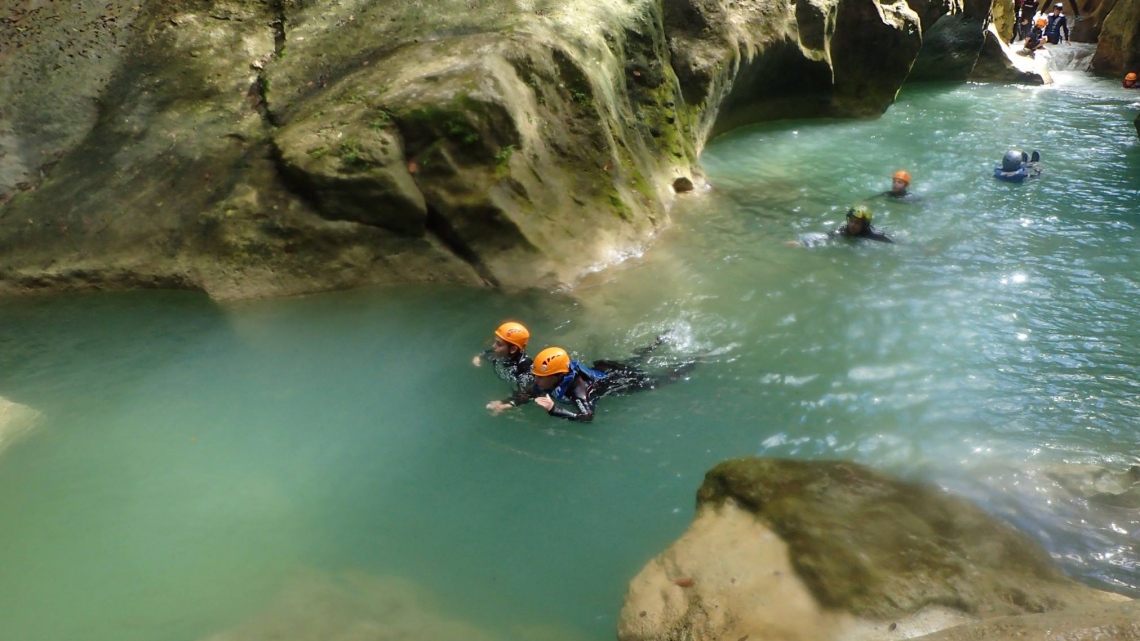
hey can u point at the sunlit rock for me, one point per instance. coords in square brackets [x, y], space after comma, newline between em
[996, 63]
[16, 422]
[827, 550]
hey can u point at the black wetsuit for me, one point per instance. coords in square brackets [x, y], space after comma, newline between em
[868, 232]
[583, 386]
[1033, 41]
[906, 196]
[1057, 24]
[514, 369]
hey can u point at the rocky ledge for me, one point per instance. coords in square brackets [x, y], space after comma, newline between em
[794, 550]
[259, 147]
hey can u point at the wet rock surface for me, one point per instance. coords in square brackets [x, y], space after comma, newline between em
[854, 553]
[251, 148]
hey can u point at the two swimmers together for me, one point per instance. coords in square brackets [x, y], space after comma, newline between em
[564, 387]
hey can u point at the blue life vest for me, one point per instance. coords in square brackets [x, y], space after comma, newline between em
[576, 369]
[1011, 176]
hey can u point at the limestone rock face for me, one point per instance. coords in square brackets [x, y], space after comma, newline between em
[1093, 13]
[249, 148]
[952, 35]
[1118, 45]
[821, 550]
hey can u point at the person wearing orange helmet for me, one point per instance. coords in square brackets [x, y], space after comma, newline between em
[560, 379]
[1036, 38]
[1130, 81]
[900, 183]
[508, 354]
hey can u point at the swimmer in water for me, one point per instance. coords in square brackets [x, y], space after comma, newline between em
[900, 184]
[857, 226]
[558, 379]
[1130, 81]
[1016, 166]
[508, 354]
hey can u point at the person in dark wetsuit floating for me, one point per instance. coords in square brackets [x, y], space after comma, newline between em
[561, 380]
[508, 354]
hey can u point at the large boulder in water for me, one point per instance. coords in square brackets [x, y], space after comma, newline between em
[819, 550]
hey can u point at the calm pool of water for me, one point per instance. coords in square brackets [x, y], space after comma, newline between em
[195, 461]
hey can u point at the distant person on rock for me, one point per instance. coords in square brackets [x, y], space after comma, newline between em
[559, 380]
[1036, 38]
[1130, 81]
[1027, 11]
[1057, 25]
[508, 354]
[1021, 29]
[858, 226]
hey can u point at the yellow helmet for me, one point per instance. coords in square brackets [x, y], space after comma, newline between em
[861, 212]
[551, 361]
[513, 333]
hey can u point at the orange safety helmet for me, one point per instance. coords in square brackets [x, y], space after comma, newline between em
[551, 361]
[513, 333]
[902, 175]
[1130, 77]
[1041, 22]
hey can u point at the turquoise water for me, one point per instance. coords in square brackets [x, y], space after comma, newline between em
[196, 460]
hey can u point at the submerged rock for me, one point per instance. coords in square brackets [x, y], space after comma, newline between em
[16, 422]
[820, 550]
[1099, 485]
[354, 606]
[248, 148]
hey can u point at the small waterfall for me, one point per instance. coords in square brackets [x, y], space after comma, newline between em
[1076, 56]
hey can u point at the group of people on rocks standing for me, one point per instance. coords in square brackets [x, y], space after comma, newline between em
[1036, 28]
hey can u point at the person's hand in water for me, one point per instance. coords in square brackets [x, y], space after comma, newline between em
[498, 407]
[478, 360]
[545, 402]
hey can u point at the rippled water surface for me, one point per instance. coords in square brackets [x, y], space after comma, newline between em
[196, 462]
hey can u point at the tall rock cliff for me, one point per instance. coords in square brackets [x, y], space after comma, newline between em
[258, 147]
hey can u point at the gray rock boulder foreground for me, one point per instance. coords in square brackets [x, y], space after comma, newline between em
[259, 147]
[796, 550]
